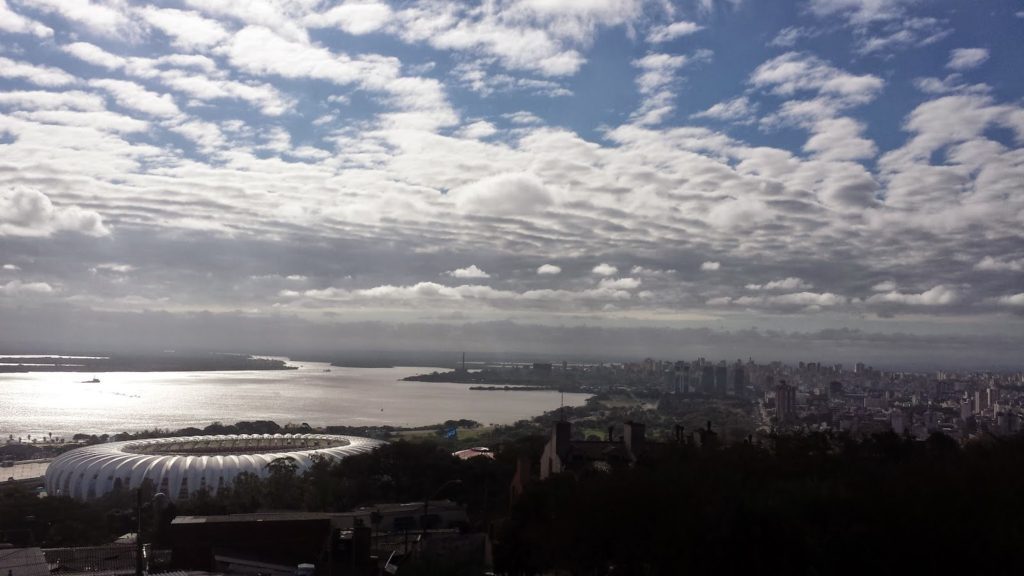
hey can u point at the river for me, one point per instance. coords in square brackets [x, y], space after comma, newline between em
[64, 403]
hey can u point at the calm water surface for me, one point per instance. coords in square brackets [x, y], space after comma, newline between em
[64, 403]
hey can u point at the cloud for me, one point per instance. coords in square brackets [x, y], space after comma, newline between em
[11, 267]
[134, 96]
[40, 75]
[478, 129]
[953, 83]
[354, 17]
[604, 269]
[990, 264]
[98, 18]
[113, 267]
[966, 58]
[476, 76]
[901, 34]
[710, 266]
[790, 283]
[738, 213]
[45, 100]
[740, 110]
[860, 12]
[486, 296]
[268, 99]
[655, 83]
[29, 212]
[188, 30]
[18, 288]
[788, 37]
[518, 41]
[523, 118]
[795, 300]
[284, 18]
[938, 296]
[525, 35]
[669, 32]
[886, 286]
[1012, 300]
[504, 194]
[14, 23]
[838, 139]
[371, 165]
[620, 283]
[95, 55]
[795, 72]
[468, 272]
[260, 51]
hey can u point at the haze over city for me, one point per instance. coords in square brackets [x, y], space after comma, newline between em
[822, 179]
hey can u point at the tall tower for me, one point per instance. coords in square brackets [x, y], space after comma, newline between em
[707, 379]
[721, 379]
[739, 380]
[785, 402]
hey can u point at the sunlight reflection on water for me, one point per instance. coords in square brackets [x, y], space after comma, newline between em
[65, 402]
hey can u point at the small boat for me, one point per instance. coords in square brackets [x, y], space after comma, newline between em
[94, 380]
[327, 369]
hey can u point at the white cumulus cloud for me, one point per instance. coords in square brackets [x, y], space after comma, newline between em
[29, 212]
[967, 58]
[938, 296]
[672, 31]
[790, 283]
[468, 272]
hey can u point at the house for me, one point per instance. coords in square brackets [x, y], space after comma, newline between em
[563, 454]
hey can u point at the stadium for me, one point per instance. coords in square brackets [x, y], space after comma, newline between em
[180, 467]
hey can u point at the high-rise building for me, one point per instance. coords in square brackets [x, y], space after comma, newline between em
[739, 380]
[966, 409]
[980, 401]
[992, 396]
[671, 381]
[721, 378]
[835, 390]
[707, 380]
[785, 402]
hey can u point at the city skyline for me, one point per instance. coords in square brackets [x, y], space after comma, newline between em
[824, 179]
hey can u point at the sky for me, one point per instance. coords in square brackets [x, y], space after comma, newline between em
[836, 180]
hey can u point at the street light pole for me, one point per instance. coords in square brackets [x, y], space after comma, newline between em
[138, 531]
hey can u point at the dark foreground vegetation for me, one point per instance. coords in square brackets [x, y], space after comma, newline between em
[812, 504]
[805, 504]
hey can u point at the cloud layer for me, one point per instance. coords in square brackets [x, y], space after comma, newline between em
[610, 162]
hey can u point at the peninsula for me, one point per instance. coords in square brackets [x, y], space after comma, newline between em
[169, 362]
